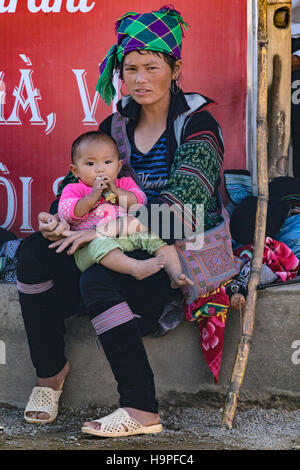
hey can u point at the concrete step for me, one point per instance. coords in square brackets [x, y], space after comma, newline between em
[181, 373]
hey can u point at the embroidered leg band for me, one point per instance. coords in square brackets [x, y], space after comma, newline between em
[34, 288]
[114, 316]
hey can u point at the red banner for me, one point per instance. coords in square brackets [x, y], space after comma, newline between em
[48, 73]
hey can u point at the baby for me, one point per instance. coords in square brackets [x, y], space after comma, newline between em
[96, 164]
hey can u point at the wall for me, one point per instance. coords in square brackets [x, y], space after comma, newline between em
[49, 69]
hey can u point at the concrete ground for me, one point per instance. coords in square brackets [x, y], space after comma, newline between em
[185, 428]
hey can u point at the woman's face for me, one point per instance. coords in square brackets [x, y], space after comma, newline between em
[148, 77]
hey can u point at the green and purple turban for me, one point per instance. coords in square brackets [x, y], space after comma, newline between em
[159, 31]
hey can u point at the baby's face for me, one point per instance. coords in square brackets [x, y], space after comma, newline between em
[97, 158]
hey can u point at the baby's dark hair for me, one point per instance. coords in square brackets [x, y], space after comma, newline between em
[90, 137]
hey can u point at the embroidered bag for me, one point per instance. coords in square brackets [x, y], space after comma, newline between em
[212, 265]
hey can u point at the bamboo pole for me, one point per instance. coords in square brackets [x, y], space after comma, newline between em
[260, 223]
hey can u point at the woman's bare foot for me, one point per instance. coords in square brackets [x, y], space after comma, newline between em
[145, 268]
[180, 280]
[143, 417]
[55, 383]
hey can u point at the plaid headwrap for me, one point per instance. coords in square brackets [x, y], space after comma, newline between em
[159, 31]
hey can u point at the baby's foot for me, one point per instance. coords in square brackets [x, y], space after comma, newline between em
[180, 280]
[145, 268]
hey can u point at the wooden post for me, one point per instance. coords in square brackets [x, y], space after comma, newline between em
[279, 86]
[260, 224]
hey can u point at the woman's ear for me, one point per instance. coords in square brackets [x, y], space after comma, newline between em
[177, 69]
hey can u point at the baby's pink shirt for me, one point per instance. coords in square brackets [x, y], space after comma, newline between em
[102, 212]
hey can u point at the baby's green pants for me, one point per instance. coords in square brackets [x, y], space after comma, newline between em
[98, 248]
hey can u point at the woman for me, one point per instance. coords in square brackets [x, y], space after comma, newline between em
[176, 154]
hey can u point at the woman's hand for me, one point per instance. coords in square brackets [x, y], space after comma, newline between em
[186, 244]
[180, 244]
[74, 240]
[51, 227]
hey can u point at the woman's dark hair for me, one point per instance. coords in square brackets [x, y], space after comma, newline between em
[171, 61]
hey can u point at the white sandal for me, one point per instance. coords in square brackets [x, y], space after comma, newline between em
[43, 400]
[113, 424]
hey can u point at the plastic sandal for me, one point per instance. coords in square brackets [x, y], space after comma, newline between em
[113, 424]
[43, 400]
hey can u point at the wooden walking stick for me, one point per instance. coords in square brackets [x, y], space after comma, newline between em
[260, 223]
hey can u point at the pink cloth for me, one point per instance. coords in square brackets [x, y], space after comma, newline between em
[210, 312]
[277, 255]
[102, 212]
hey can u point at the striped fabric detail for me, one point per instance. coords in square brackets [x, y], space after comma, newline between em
[114, 316]
[34, 288]
[210, 138]
[151, 167]
[188, 169]
[194, 178]
[181, 211]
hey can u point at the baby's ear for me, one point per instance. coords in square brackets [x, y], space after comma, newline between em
[73, 169]
[120, 164]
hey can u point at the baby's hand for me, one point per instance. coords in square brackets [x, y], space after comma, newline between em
[98, 187]
[111, 184]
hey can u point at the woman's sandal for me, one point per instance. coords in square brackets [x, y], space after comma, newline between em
[43, 400]
[116, 423]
